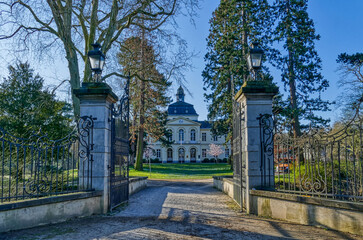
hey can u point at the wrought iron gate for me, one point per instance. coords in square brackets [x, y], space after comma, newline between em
[37, 166]
[322, 162]
[119, 175]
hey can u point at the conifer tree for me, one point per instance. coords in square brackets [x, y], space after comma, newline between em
[26, 107]
[148, 93]
[299, 63]
[233, 23]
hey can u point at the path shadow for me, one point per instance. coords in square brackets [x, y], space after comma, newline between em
[178, 223]
[132, 229]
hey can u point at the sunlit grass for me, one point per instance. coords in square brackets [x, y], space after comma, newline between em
[182, 171]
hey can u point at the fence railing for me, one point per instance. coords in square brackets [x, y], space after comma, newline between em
[38, 166]
[320, 163]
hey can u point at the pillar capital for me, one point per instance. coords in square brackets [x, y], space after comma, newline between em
[257, 88]
[95, 91]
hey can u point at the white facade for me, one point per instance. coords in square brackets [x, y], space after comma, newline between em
[191, 137]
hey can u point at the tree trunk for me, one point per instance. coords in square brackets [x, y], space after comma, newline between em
[74, 76]
[244, 43]
[133, 143]
[293, 102]
[140, 138]
[292, 85]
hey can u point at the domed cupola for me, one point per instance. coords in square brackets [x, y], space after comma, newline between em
[181, 108]
[180, 94]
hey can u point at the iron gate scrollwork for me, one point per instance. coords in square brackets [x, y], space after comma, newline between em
[119, 175]
[37, 166]
[266, 123]
[321, 162]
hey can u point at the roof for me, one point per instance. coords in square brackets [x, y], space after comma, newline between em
[205, 124]
[181, 108]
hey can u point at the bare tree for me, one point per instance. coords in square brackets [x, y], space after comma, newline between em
[73, 26]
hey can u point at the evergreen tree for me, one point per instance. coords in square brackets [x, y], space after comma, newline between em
[299, 63]
[232, 24]
[25, 107]
[148, 93]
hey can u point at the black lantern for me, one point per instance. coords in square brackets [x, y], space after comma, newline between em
[96, 59]
[255, 56]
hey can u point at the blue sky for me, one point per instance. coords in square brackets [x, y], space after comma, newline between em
[338, 22]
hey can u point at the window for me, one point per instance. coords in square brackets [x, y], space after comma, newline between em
[204, 153]
[170, 154]
[181, 135]
[204, 137]
[170, 139]
[158, 153]
[215, 138]
[192, 135]
[226, 152]
[193, 154]
[181, 154]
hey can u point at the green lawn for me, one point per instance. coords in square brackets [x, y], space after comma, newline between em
[182, 171]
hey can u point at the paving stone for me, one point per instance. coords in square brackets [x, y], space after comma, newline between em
[183, 209]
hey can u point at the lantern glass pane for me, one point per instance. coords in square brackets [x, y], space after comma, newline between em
[249, 63]
[101, 63]
[256, 60]
[95, 62]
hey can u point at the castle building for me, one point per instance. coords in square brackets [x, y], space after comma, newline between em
[191, 137]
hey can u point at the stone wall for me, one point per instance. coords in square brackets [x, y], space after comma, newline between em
[327, 213]
[137, 184]
[32, 213]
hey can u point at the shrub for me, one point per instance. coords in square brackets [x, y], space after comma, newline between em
[205, 160]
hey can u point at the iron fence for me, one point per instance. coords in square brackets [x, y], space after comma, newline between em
[38, 166]
[322, 162]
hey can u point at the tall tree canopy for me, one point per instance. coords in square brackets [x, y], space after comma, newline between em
[148, 98]
[232, 24]
[25, 107]
[74, 25]
[299, 63]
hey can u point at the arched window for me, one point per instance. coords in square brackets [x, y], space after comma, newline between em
[181, 154]
[193, 154]
[170, 155]
[181, 135]
[192, 135]
[170, 139]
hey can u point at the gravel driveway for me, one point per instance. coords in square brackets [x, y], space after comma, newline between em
[182, 209]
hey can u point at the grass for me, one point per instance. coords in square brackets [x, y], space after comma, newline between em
[182, 171]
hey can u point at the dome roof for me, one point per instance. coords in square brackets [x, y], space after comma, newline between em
[181, 108]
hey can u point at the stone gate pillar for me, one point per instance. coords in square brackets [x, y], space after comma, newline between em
[96, 100]
[254, 98]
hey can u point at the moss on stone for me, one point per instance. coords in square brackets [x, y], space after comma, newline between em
[257, 87]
